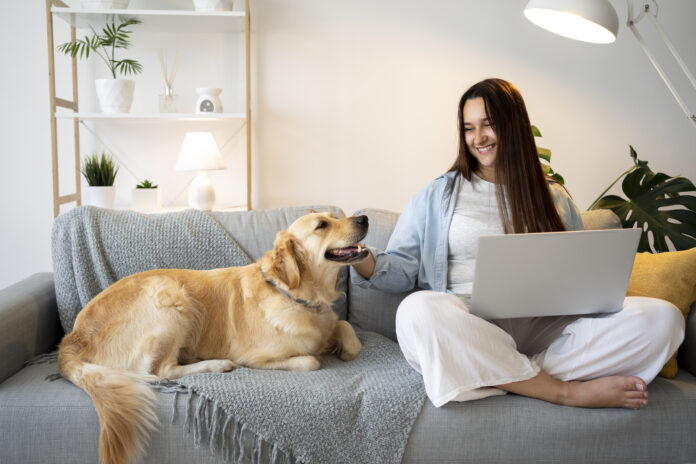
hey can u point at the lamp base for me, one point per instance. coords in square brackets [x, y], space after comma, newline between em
[201, 194]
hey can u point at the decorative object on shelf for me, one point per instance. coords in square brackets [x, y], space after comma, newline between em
[596, 21]
[100, 172]
[146, 197]
[199, 152]
[105, 4]
[208, 100]
[212, 5]
[115, 95]
[659, 204]
[168, 101]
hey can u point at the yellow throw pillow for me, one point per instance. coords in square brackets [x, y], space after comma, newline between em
[670, 276]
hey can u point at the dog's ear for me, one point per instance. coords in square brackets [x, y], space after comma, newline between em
[287, 259]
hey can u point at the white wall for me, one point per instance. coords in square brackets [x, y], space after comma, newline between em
[355, 105]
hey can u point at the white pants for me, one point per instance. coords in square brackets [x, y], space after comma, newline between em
[461, 356]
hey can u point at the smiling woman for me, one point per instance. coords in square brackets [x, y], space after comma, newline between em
[496, 185]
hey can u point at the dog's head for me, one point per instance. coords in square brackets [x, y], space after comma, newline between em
[317, 243]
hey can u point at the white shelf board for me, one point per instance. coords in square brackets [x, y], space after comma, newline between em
[153, 116]
[156, 20]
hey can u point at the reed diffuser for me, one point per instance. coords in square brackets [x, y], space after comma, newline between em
[168, 101]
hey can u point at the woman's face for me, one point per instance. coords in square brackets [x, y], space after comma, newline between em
[480, 137]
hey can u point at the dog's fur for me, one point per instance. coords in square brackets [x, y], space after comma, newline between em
[168, 323]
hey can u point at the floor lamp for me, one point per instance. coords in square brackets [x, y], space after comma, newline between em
[596, 21]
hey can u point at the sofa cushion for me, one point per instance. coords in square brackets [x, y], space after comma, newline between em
[53, 421]
[515, 429]
[670, 276]
[255, 230]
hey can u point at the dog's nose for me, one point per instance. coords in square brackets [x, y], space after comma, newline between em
[361, 221]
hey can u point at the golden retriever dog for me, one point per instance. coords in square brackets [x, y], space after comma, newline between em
[168, 323]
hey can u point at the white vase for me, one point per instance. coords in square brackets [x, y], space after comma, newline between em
[115, 95]
[102, 197]
[105, 4]
[147, 200]
[212, 5]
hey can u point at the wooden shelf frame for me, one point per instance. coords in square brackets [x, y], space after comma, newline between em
[177, 21]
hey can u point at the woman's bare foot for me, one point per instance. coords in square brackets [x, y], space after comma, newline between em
[607, 392]
[604, 392]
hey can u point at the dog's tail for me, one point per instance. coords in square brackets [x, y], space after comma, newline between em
[124, 402]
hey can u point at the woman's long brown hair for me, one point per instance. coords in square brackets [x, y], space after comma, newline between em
[520, 181]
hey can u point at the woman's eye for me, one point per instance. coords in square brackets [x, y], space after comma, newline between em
[322, 225]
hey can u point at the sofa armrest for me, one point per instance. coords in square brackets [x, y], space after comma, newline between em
[687, 351]
[29, 323]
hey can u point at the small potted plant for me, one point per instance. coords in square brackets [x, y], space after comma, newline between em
[115, 95]
[146, 197]
[100, 172]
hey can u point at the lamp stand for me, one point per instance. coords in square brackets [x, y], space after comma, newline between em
[201, 194]
[631, 23]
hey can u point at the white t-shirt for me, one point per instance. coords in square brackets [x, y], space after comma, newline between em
[476, 213]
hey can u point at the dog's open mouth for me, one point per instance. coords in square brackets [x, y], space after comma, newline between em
[347, 254]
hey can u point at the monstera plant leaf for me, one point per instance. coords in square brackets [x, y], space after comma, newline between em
[656, 203]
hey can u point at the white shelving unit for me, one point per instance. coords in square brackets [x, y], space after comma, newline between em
[174, 21]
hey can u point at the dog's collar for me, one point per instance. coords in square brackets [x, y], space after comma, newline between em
[314, 306]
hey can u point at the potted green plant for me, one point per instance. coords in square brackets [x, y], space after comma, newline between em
[663, 206]
[115, 95]
[146, 197]
[100, 172]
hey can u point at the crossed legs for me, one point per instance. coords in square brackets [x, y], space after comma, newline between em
[602, 361]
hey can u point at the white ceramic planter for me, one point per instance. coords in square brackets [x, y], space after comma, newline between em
[147, 200]
[105, 4]
[102, 197]
[115, 95]
[212, 5]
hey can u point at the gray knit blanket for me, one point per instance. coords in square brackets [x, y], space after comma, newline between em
[93, 248]
[360, 411]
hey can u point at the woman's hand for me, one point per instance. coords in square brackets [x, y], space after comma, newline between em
[366, 267]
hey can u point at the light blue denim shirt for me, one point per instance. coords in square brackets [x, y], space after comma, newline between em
[416, 253]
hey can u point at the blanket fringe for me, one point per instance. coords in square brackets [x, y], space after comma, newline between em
[231, 439]
[45, 358]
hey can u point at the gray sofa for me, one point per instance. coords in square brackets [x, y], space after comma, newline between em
[54, 422]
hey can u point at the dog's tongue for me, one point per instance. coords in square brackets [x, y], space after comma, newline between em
[344, 251]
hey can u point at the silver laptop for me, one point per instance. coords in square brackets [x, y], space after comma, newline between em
[552, 274]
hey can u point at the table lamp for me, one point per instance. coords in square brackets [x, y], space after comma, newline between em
[200, 153]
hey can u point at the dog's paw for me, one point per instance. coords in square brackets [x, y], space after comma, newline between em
[303, 363]
[221, 365]
[351, 349]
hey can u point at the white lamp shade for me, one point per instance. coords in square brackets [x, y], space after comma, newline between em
[586, 20]
[199, 153]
